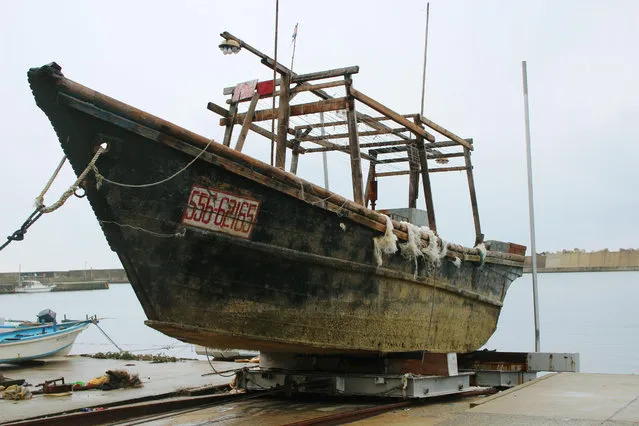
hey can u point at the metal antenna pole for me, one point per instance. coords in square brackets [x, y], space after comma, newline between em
[277, 13]
[531, 209]
[425, 56]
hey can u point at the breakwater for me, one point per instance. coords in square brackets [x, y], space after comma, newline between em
[582, 261]
[73, 280]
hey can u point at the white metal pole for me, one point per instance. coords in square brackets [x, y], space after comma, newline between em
[531, 209]
[425, 57]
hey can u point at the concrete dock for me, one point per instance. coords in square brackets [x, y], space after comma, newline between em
[158, 379]
[554, 399]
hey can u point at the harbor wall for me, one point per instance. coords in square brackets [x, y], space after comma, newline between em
[72, 276]
[582, 261]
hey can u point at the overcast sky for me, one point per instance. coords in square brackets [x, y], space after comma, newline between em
[162, 57]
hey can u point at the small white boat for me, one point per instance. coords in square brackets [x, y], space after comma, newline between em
[30, 342]
[33, 286]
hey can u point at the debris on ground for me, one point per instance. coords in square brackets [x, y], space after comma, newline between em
[113, 379]
[128, 356]
[16, 393]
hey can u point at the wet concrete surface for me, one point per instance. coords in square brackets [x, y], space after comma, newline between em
[157, 378]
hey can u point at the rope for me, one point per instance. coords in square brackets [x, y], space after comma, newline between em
[69, 192]
[179, 234]
[107, 336]
[100, 178]
[19, 234]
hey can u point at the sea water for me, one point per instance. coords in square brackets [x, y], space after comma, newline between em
[595, 314]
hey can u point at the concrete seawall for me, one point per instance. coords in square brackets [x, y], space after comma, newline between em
[72, 276]
[581, 261]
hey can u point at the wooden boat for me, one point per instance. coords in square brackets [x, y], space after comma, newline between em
[36, 342]
[223, 250]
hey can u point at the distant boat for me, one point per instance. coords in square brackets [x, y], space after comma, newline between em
[33, 286]
[31, 341]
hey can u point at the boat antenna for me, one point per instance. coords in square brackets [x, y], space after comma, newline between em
[425, 57]
[294, 44]
[277, 14]
[531, 208]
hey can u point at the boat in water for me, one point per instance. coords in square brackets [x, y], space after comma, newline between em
[40, 340]
[33, 286]
[226, 251]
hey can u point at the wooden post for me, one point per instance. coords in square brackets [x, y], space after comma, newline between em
[282, 122]
[353, 142]
[479, 237]
[295, 157]
[371, 193]
[229, 127]
[248, 119]
[413, 181]
[428, 195]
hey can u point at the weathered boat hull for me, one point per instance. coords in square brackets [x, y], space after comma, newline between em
[290, 270]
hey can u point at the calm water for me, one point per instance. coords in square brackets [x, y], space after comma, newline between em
[595, 314]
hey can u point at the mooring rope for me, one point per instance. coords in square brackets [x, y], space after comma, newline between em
[69, 192]
[100, 178]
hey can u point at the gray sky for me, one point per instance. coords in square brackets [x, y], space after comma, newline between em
[162, 57]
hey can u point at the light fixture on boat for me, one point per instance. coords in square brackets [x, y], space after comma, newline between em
[229, 46]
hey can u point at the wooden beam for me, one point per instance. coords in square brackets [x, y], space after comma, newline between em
[361, 134]
[413, 181]
[247, 122]
[428, 193]
[407, 172]
[393, 160]
[300, 109]
[282, 123]
[439, 129]
[448, 169]
[254, 127]
[353, 142]
[398, 118]
[479, 237]
[319, 75]
[295, 158]
[309, 87]
[228, 132]
[370, 181]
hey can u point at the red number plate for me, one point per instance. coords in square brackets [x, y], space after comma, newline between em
[219, 211]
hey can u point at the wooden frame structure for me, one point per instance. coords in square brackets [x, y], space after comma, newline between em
[397, 138]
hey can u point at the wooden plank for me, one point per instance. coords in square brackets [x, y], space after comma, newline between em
[247, 122]
[300, 109]
[319, 75]
[428, 193]
[413, 181]
[295, 158]
[398, 118]
[439, 129]
[479, 237]
[361, 134]
[228, 132]
[282, 123]
[254, 127]
[406, 172]
[393, 160]
[448, 169]
[353, 142]
[398, 173]
[308, 87]
[368, 195]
